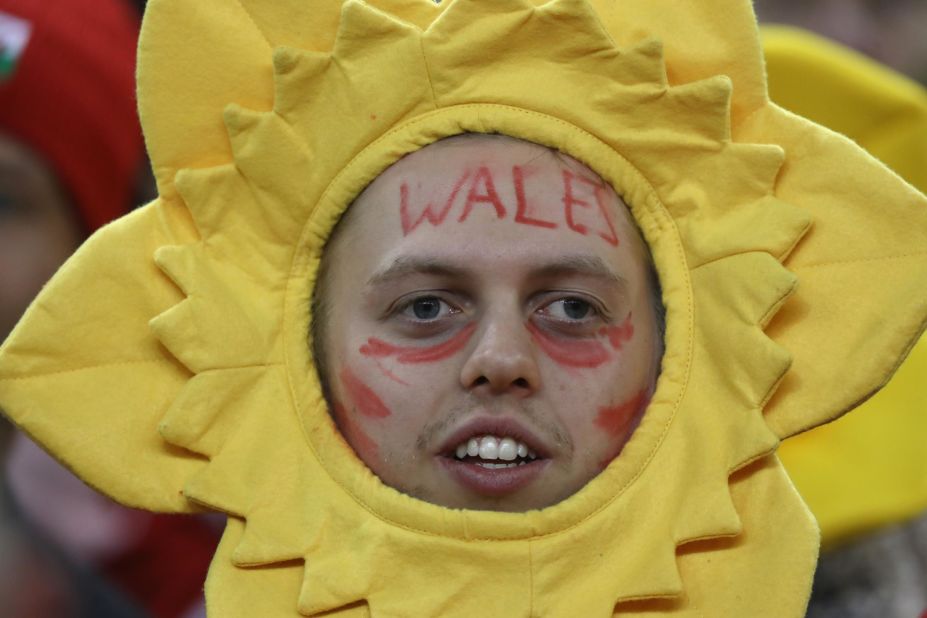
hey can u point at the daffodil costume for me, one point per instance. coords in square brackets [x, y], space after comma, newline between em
[866, 470]
[168, 362]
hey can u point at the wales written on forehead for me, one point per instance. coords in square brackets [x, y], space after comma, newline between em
[583, 202]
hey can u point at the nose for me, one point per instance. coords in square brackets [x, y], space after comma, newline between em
[503, 360]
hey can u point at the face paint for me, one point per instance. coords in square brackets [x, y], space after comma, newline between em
[488, 196]
[377, 348]
[580, 353]
[482, 190]
[570, 200]
[389, 374]
[363, 444]
[619, 335]
[521, 212]
[436, 218]
[364, 399]
[616, 419]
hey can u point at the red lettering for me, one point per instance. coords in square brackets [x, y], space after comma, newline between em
[521, 211]
[489, 195]
[619, 335]
[610, 237]
[435, 218]
[378, 348]
[581, 353]
[365, 400]
[570, 200]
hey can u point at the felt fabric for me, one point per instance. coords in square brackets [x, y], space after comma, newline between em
[867, 469]
[265, 129]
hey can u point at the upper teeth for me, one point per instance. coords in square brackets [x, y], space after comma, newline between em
[493, 447]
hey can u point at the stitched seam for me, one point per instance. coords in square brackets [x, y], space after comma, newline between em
[901, 256]
[254, 23]
[431, 85]
[77, 369]
[134, 362]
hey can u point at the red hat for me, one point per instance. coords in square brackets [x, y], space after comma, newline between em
[69, 94]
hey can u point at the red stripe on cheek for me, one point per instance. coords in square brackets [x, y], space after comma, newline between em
[362, 444]
[366, 401]
[570, 352]
[619, 335]
[616, 419]
[378, 348]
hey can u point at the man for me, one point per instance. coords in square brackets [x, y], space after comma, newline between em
[504, 342]
[499, 282]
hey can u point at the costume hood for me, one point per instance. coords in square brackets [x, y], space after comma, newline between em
[168, 362]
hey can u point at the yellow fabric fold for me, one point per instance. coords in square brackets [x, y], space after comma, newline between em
[866, 469]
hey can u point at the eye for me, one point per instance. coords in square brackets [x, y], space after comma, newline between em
[570, 309]
[427, 308]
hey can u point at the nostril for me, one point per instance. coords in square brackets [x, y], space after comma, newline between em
[521, 383]
[480, 381]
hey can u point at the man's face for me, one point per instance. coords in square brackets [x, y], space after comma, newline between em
[491, 340]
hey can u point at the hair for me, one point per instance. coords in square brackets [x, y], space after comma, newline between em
[321, 310]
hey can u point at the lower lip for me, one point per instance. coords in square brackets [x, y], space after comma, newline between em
[493, 481]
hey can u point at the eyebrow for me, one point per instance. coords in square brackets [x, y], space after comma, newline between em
[584, 265]
[569, 265]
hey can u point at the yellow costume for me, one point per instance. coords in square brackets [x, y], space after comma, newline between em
[868, 469]
[168, 363]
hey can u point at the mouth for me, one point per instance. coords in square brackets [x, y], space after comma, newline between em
[493, 458]
[494, 452]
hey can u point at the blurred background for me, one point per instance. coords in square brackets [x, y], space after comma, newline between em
[894, 32]
[71, 158]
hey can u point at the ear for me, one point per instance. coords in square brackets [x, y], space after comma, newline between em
[83, 375]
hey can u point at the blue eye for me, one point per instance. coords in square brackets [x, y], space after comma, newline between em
[427, 308]
[567, 309]
[576, 309]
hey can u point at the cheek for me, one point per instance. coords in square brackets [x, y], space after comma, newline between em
[380, 418]
[364, 399]
[615, 420]
[354, 434]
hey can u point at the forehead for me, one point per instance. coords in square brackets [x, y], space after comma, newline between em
[490, 198]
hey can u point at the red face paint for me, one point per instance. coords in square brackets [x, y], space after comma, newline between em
[619, 335]
[616, 419]
[366, 401]
[581, 353]
[435, 217]
[521, 212]
[570, 200]
[363, 444]
[389, 374]
[378, 348]
[488, 196]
